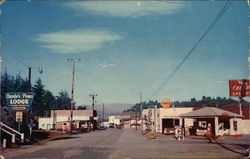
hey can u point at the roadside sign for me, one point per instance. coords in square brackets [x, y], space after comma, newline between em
[178, 132]
[165, 103]
[19, 101]
[239, 88]
[19, 116]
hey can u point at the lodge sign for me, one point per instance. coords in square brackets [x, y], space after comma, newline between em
[19, 101]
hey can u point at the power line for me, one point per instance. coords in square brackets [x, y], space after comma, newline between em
[171, 75]
[18, 59]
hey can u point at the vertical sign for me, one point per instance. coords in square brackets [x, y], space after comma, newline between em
[239, 88]
[19, 116]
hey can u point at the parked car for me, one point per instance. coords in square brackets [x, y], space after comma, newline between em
[118, 126]
[102, 128]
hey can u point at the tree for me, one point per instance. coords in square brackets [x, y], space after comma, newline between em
[10, 83]
[63, 100]
[40, 103]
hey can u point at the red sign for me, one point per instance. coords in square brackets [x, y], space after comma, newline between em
[239, 88]
[18, 108]
[165, 103]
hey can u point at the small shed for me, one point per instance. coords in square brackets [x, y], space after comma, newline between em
[222, 121]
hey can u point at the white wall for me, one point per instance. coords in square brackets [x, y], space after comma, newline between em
[174, 112]
[81, 118]
[114, 120]
[245, 126]
[161, 113]
[62, 118]
[45, 123]
[242, 126]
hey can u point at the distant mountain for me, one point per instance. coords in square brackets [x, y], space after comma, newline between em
[111, 109]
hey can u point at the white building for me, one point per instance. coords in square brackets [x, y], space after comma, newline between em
[118, 119]
[222, 122]
[113, 120]
[45, 123]
[163, 120]
[59, 116]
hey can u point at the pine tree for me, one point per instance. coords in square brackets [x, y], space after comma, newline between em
[63, 100]
[39, 105]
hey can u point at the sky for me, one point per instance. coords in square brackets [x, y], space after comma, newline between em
[126, 47]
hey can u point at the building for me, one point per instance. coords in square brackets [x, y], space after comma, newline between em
[60, 120]
[114, 120]
[222, 122]
[163, 120]
[243, 109]
[120, 119]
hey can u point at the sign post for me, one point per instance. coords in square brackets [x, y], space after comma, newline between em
[239, 88]
[19, 102]
[165, 103]
[178, 132]
[19, 119]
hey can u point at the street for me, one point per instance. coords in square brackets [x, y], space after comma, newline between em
[122, 143]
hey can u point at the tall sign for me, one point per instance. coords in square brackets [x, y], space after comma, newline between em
[165, 103]
[239, 88]
[19, 101]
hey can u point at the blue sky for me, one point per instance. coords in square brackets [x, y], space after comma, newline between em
[127, 47]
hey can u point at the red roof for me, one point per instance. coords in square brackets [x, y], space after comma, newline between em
[236, 109]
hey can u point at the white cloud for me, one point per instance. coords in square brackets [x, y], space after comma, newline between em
[76, 41]
[132, 9]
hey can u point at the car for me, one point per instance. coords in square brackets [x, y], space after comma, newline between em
[102, 128]
[111, 126]
[118, 126]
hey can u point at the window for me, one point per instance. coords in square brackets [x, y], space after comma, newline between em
[235, 125]
[203, 124]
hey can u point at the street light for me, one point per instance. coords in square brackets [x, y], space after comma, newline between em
[72, 91]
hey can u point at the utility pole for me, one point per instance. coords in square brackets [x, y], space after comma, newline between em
[72, 91]
[29, 113]
[135, 119]
[93, 108]
[141, 112]
[102, 113]
[29, 82]
[93, 100]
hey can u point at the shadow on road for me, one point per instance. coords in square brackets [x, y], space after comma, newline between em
[236, 148]
[64, 138]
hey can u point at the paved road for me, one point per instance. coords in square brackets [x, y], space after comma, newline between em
[122, 143]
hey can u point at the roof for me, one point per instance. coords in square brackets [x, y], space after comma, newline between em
[234, 107]
[75, 112]
[210, 112]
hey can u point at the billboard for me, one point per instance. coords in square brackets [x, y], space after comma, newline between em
[239, 88]
[19, 101]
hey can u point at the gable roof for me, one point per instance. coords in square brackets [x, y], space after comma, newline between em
[211, 112]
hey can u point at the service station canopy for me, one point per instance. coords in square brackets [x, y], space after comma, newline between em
[19, 101]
